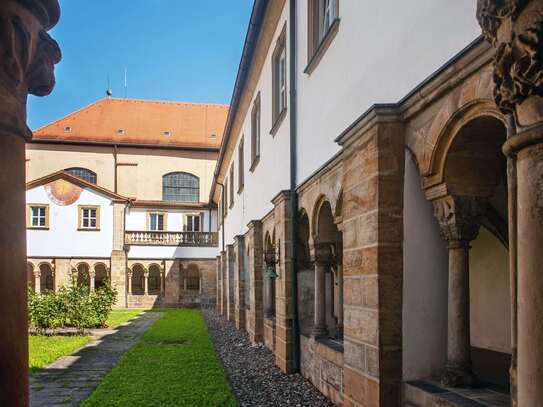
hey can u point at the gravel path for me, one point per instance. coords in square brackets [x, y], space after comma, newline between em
[255, 379]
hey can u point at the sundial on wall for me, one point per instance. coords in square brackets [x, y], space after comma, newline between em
[62, 192]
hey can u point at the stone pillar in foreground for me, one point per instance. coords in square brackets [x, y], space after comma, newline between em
[322, 262]
[254, 243]
[515, 29]
[28, 55]
[219, 284]
[239, 296]
[37, 281]
[459, 219]
[230, 282]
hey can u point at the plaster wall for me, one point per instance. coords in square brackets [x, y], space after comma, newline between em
[62, 238]
[136, 219]
[490, 304]
[424, 326]
[382, 50]
[271, 175]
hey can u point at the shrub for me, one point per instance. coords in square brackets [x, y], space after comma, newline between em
[75, 306]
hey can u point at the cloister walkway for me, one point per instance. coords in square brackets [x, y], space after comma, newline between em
[71, 379]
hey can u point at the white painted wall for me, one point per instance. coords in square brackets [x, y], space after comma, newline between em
[424, 319]
[136, 219]
[272, 173]
[381, 52]
[63, 239]
[170, 252]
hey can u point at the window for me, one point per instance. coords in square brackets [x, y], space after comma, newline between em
[192, 223]
[241, 170]
[232, 185]
[38, 216]
[322, 26]
[279, 81]
[89, 217]
[156, 221]
[180, 186]
[255, 133]
[82, 173]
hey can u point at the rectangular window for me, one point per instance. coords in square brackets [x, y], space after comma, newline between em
[193, 223]
[38, 216]
[322, 25]
[255, 132]
[241, 169]
[89, 217]
[232, 185]
[279, 81]
[157, 222]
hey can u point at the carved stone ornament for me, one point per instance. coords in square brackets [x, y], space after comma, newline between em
[515, 29]
[27, 58]
[324, 253]
[459, 217]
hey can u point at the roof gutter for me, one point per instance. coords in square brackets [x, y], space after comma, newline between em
[249, 47]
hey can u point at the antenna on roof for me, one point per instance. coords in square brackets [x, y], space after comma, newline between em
[125, 81]
[108, 91]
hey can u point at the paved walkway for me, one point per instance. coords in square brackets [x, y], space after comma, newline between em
[71, 379]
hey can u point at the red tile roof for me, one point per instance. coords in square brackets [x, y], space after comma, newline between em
[142, 122]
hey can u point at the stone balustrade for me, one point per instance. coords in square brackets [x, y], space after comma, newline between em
[144, 238]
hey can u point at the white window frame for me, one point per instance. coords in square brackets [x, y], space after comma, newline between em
[193, 216]
[156, 215]
[86, 216]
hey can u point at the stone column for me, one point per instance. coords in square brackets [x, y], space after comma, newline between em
[37, 281]
[26, 66]
[129, 282]
[92, 275]
[224, 271]
[146, 282]
[162, 280]
[269, 311]
[219, 284]
[230, 282]
[459, 220]
[339, 274]
[240, 282]
[322, 263]
[255, 326]
[515, 29]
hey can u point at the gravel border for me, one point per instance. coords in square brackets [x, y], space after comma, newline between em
[255, 379]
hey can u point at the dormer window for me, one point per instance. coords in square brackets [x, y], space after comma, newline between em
[120, 132]
[213, 136]
[67, 129]
[167, 133]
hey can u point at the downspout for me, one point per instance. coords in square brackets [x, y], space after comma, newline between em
[293, 194]
[115, 168]
[222, 213]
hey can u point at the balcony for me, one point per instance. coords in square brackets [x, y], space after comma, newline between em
[146, 238]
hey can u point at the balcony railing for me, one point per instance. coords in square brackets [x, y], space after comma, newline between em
[145, 238]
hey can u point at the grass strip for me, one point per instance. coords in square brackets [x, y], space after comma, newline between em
[173, 364]
[118, 316]
[44, 349]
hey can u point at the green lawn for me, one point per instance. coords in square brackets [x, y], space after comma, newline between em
[157, 372]
[46, 349]
[118, 316]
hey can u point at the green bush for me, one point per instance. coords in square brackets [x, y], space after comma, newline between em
[75, 306]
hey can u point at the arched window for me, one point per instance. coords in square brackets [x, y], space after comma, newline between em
[180, 186]
[83, 173]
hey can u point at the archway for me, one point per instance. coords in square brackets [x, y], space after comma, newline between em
[100, 275]
[47, 281]
[154, 279]
[31, 280]
[138, 277]
[83, 275]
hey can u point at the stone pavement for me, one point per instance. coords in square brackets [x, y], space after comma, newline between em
[71, 379]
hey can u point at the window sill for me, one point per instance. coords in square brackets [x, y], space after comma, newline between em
[38, 227]
[88, 229]
[322, 47]
[254, 164]
[278, 120]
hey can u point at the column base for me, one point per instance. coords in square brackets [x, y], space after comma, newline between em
[319, 332]
[462, 378]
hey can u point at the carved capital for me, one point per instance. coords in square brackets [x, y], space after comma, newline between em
[515, 29]
[459, 217]
[27, 58]
[323, 253]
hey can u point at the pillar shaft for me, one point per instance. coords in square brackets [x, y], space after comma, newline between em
[129, 282]
[146, 283]
[269, 311]
[92, 276]
[340, 299]
[37, 282]
[319, 326]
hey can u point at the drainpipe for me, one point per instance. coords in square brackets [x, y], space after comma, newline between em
[222, 213]
[115, 168]
[293, 194]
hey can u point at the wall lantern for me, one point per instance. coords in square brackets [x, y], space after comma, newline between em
[325, 253]
[271, 258]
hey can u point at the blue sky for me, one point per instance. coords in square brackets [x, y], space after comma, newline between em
[173, 50]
